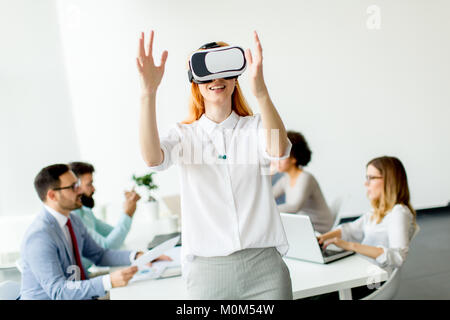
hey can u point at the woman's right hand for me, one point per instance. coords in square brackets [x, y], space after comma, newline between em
[321, 239]
[336, 233]
[151, 74]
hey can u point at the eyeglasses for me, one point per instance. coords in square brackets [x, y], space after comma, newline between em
[74, 186]
[370, 178]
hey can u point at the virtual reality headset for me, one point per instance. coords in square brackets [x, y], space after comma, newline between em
[216, 62]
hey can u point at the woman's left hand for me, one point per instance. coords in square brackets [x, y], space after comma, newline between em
[254, 64]
[337, 242]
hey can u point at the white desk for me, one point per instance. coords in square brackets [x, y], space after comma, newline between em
[308, 279]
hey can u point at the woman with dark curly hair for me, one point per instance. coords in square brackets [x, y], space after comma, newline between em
[303, 194]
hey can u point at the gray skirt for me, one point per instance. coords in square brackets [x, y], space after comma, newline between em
[258, 274]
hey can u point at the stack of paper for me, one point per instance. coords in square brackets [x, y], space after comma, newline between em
[158, 267]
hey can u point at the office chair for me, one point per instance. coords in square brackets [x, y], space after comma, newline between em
[389, 289]
[9, 290]
[335, 209]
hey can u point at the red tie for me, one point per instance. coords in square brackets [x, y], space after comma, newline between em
[75, 249]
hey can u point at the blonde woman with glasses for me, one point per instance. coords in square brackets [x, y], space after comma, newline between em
[383, 233]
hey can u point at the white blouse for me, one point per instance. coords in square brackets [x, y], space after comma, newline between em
[226, 192]
[393, 234]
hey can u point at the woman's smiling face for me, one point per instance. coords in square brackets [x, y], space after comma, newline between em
[218, 91]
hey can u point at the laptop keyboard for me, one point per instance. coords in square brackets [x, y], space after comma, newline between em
[329, 253]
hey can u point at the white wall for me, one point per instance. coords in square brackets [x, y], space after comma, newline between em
[36, 122]
[354, 92]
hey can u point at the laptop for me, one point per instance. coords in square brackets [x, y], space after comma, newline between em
[303, 244]
[160, 238]
[172, 203]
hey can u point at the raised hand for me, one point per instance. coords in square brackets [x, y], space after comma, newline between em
[151, 74]
[255, 69]
[131, 198]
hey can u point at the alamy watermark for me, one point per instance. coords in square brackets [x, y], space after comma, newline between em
[374, 278]
[373, 21]
[227, 147]
[74, 280]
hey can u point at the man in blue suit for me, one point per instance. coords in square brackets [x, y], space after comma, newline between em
[56, 240]
[107, 236]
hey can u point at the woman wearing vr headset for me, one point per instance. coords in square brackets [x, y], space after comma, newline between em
[232, 234]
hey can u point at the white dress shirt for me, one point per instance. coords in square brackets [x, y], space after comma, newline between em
[62, 222]
[226, 192]
[393, 234]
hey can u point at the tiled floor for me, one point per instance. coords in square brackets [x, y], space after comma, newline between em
[426, 272]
